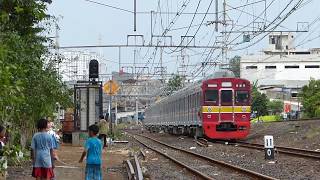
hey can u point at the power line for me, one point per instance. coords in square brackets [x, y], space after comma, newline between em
[113, 7]
[204, 17]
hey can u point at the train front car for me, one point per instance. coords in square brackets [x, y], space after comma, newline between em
[226, 108]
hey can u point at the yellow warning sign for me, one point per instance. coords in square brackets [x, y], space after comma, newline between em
[111, 87]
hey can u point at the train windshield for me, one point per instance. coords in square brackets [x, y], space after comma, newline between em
[242, 97]
[226, 97]
[211, 96]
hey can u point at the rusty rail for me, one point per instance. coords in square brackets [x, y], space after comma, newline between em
[138, 170]
[202, 142]
[196, 172]
[133, 168]
[130, 170]
[221, 163]
[305, 153]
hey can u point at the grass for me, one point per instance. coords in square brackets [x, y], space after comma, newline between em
[117, 131]
[313, 132]
[270, 118]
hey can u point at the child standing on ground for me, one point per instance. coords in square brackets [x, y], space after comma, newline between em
[42, 152]
[3, 160]
[2, 137]
[93, 149]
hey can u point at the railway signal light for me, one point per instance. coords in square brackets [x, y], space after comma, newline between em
[93, 69]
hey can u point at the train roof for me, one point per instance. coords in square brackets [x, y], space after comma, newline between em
[196, 86]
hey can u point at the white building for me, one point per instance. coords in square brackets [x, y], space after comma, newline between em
[281, 65]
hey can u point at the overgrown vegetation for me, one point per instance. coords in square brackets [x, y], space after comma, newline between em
[175, 83]
[259, 102]
[235, 65]
[268, 118]
[275, 107]
[30, 86]
[310, 98]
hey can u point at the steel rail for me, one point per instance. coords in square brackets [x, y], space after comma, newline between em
[196, 172]
[234, 167]
[130, 169]
[139, 175]
[202, 142]
[285, 150]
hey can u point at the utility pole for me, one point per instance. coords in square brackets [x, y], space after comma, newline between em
[135, 15]
[217, 16]
[116, 111]
[110, 108]
[224, 47]
[119, 58]
[57, 48]
[161, 65]
[137, 108]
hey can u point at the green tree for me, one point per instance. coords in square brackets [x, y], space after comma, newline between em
[259, 102]
[275, 107]
[310, 98]
[175, 83]
[235, 65]
[29, 84]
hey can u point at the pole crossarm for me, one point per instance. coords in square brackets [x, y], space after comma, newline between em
[134, 95]
[262, 31]
[138, 45]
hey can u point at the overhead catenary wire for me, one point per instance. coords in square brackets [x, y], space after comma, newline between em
[283, 10]
[204, 17]
[107, 5]
[164, 29]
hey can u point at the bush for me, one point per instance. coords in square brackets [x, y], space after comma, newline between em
[13, 156]
[267, 118]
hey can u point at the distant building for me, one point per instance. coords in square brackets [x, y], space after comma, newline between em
[282, 70]
[281, 65]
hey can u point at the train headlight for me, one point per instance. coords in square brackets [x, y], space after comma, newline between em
[226, 84]
[212, 85]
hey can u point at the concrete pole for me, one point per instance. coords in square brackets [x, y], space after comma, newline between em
[116, 111]
[119, 59]
[137, 110]
[110, 107]
[125, 105]
[217, 16]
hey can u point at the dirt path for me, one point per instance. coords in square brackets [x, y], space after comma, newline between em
[70, 169]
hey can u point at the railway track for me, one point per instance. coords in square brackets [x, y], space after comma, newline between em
[283, 150]
[193, 164]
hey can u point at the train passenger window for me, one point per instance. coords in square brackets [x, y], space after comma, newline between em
[226, 97]
[211, 95]
[242, 97]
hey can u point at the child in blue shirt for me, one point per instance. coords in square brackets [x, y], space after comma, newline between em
[42, 152]
[93, 150]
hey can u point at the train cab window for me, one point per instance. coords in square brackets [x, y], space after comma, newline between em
[211, 96]
[242, 97]
[226, 97]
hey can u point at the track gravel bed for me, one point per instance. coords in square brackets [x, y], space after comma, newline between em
[159, 167]
[285, 167]
[299, 134]
[206, 167]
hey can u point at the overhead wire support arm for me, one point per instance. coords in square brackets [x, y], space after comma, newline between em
[138, 45]
[264, 31]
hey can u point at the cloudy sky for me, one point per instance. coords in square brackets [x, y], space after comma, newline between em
[84, 22]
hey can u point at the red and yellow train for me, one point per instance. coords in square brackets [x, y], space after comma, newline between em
[218, 108]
